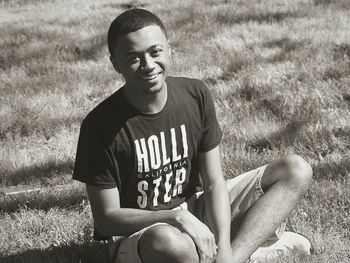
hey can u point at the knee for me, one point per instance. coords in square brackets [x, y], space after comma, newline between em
[164, 243]
[297, 171]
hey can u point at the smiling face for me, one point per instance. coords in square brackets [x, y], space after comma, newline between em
[143, 58]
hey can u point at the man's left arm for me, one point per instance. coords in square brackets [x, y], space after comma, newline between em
[217, 202]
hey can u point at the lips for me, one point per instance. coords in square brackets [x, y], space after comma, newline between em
[150, 76]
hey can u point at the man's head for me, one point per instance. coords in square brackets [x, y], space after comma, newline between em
[131, 21]
[140, 51]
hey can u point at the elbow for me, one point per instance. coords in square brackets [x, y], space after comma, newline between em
[102, 227]
[218, 184]
[103, 224]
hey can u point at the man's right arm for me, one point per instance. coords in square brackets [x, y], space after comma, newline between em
[110, 219]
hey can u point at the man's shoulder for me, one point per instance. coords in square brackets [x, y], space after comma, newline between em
[191, 86]
[185, 81]
[105, 110]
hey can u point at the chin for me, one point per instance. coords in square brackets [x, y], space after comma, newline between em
[153, 90]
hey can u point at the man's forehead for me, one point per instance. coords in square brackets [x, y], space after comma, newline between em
[145, 37]
[152, 30]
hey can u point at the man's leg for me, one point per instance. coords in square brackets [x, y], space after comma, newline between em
[284, 183]
[160, 242]
[165, 243]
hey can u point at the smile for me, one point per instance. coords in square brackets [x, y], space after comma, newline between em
[150, 77]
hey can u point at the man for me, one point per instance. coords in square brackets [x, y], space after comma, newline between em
[147, 151]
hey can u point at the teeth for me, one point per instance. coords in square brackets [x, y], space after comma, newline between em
[150, 77]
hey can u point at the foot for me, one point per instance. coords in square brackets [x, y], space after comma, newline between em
[289, 244]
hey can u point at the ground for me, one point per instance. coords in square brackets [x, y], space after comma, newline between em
[279, 72]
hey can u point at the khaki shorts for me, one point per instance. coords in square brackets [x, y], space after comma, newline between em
[243, 190]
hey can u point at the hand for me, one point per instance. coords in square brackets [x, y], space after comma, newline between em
[224, 256]
[201, 235]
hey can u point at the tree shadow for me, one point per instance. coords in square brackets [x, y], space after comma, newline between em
[343, 4]
[325, 169]
[333, 170]
[95, 252]
[256, 16]
[341, 67]
[286, 46]
[287, 134]
[131, 4]
[63, 196]
[239, 61]
[37, 174]
[30, 123]
[68, 49]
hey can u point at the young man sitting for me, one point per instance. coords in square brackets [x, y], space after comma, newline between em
[149, 156]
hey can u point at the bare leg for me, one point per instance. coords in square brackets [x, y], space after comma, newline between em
[164, 243]
[284, 182]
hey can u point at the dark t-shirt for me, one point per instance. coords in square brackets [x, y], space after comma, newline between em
[150, 158]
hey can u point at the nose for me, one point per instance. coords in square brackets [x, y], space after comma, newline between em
[147, 63]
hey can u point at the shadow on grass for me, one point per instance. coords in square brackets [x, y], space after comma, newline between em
[333, 170]
[29, 123]
[68, 49]
[240, 61]
[131, 4]
[237, 63]
[286, 45]
[341, 67]
[324, 169]
[287, 134]
[41, 174]
[64, 196]
[89, 253]
[338, 3]
[22, 3]
[259, 17]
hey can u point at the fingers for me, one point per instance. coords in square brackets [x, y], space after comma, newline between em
[205, 243]
[201, 235]
[206, 248]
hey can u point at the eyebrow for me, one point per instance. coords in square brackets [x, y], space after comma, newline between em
[148, 49]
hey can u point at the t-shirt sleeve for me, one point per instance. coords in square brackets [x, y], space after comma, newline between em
[94, 163]
[212, 134]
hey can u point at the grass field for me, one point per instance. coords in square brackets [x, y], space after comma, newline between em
[279, 72]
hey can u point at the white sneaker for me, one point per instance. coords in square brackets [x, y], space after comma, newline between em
[289, 244]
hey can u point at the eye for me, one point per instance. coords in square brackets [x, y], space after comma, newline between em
[133, 59]
[156, 52]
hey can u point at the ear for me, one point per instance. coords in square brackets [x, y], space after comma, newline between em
[114, 63]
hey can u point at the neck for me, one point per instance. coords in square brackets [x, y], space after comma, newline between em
[147, 103]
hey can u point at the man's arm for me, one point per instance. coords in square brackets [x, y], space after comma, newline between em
[110, 219]
[217, 201]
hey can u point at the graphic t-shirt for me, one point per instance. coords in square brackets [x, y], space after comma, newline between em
[150, 158]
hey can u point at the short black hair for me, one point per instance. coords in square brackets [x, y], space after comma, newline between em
[130, 21]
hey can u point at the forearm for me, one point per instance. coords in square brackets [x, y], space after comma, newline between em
[219, 213]
[125, 221]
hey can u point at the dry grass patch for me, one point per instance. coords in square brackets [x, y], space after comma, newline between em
[278, 72]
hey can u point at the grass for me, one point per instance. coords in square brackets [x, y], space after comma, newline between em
[279, 72]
